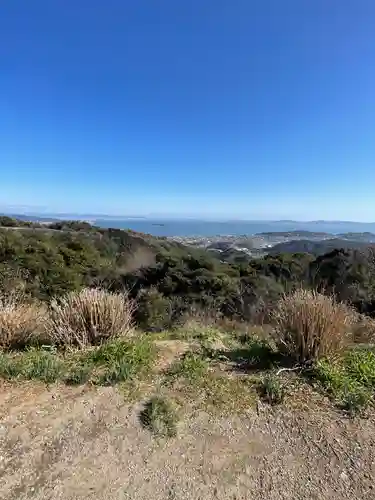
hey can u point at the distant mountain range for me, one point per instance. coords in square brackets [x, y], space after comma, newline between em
[318, 247]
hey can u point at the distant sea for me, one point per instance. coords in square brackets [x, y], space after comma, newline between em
[188, 227]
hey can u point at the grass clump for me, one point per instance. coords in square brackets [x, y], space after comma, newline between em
[310, 325]
[78, 374]
[272, 390]
[355, 400]
[33, 364]
[350, 379]
[108, 364]
[160, 417]
[21, 322]
[223, 393]
[41, 365]
[90, 317]
[9, 368]
[119, 360]
[191, 367]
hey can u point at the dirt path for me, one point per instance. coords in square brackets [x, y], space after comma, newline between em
[86, 443]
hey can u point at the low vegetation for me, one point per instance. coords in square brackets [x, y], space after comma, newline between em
[160, 417]
[113, 362]
[84, 305]
[21, 321]
[272, 389]
[349, 379]
[310, 325]
[90, 317]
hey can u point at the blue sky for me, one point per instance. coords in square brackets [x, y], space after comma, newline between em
[212, 108]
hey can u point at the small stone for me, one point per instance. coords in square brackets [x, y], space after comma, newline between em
[344, 476]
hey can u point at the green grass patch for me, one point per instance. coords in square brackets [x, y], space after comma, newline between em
[9, 367]
[160, 417]
[119, 361]
[32, 364]
[349, 380]
[191, 367]
[108, 364]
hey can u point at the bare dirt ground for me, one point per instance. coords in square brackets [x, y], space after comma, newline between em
[87, 443]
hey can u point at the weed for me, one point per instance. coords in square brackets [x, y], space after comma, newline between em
[272, 390]
[349, 379]
[120, 360]
[31, 364]
[360, 366]
[40, 364]
[78, 375]
[254, 354]
[224, 393]
[355, 400]
[160, 417]
[191, 367]
[9, 368]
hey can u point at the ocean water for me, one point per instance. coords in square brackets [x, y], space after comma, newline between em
[236, 228]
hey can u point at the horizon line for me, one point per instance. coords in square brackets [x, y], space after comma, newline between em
[96, 216]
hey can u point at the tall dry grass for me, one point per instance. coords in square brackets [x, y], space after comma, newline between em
[310, 325]
[364, 330]
[90, 317]
[21, 322]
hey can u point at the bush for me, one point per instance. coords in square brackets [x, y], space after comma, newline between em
[309, 325]
[153, 310]
[159, 416]
[20, 322]
[90, 317]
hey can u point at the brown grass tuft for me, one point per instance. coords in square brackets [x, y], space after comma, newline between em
[364, 330]
[20, 322]
[90, 317]
[310, 325]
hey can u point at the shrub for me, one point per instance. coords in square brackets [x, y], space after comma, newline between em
[20, 322]
[272, 390]
[160, 417]
[309, 325]
[90, 317]
[153, 310]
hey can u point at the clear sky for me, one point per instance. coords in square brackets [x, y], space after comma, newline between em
[216, 108]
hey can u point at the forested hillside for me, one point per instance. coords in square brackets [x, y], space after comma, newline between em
[168, 278]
